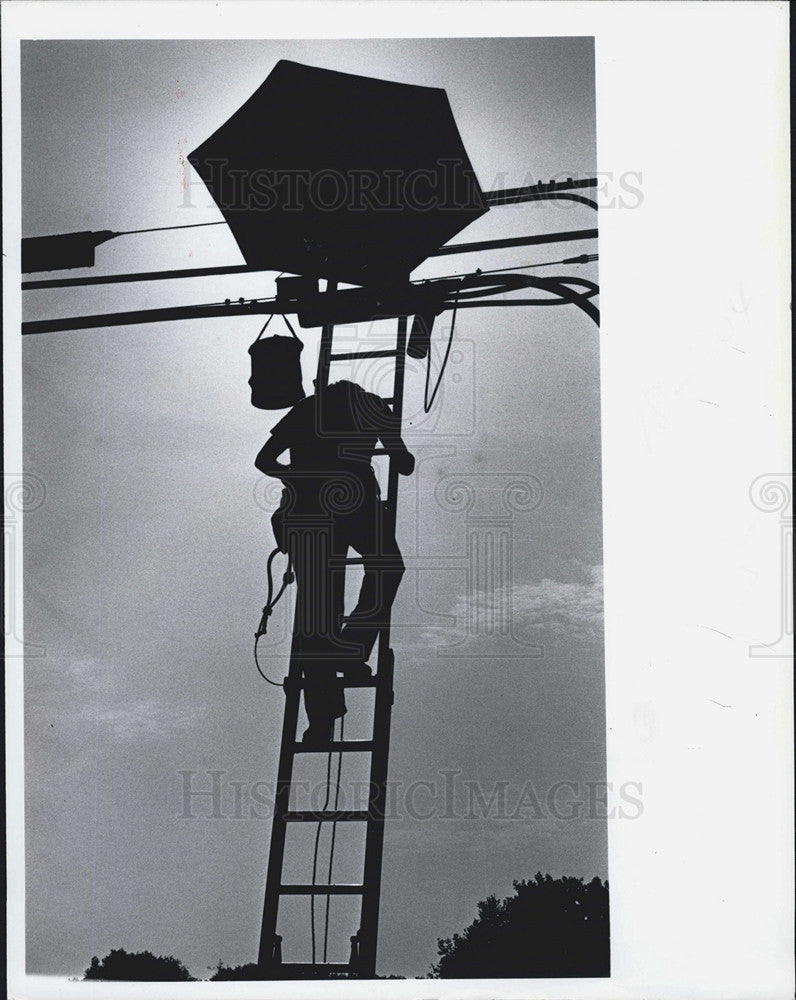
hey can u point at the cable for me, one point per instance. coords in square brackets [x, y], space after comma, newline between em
[557, 285]
[277, 684]
[315, 850]
[334, 835]
[544, 196]
[162, 229]
[204, 311]
[270, 602]
[512, 282]
[501, 270]
[585, 258]
[565, 295]
[331, 846]
[428, 403]
[509, 196]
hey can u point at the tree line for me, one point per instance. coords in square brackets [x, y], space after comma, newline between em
[549, 928]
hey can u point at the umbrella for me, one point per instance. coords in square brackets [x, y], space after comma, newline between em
[332, 175]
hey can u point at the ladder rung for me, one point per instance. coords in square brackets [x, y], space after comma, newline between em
[353, 620]
[335, 746]
[321, 890]
[326, 816]
[373, 560]
[359, 682]
[353, 355]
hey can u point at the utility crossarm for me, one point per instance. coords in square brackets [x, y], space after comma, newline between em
[140, 316]
[203, 272]
[556, 286]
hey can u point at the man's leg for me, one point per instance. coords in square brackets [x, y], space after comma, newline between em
[318, 602]
[384, 569]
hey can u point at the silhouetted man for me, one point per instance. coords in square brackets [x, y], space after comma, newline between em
[332, 501]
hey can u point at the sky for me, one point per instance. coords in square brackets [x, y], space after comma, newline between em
[144, 567]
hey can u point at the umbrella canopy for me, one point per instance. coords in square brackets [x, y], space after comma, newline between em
[338, 176]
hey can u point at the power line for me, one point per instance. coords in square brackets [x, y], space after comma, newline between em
[76, 250]
[507, 196]
[66, 251]
[203, 272]
[585, 258]
[190, 272]
[510, 196]
[548, 196]
[229, 309]
[162, 229]
[517, 241]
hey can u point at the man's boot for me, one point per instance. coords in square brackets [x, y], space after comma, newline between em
[319, 733]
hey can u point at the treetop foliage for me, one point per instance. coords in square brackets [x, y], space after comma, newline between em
[548, 928]
[140, 966]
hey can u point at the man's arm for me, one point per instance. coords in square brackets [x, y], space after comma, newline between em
[400, 454]
[266, 460]
[394, 444]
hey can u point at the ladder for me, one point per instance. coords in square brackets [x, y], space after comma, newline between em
[362, 958]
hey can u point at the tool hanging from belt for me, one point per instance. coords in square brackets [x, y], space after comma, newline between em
[270, 603]
[272, 599]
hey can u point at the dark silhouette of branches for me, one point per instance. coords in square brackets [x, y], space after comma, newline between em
[225, 973]
[145, 967]
[140, 966]
[548, 928]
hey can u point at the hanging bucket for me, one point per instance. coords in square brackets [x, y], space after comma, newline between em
[276, 370]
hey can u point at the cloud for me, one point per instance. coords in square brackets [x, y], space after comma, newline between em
[77, 693]
[572, 611]
[143, 720]
[566, 611]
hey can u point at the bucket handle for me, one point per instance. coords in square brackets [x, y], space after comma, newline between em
[287, 322]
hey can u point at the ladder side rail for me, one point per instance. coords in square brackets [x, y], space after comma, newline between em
[379, 746]
[377, 807]
[382, 715]
[325, 352]
[398, 401]
[276, 851]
